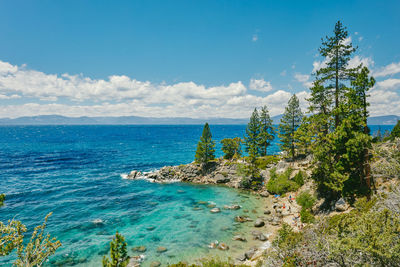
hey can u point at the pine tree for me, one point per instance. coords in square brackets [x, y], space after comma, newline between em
[118, 253]
[290, 121]
[303, 136]
[252, 134]
[337, 53]
[251, 141]
[206, 146]
[231, 147]
[338, 120]
[396, 131]
[266, 133]
[358, 99]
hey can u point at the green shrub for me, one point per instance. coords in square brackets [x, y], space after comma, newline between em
[2, 198]
[263, 162]
[306, 216]
[231, 147]
[306, 200]
[281, 183]
[299, 178]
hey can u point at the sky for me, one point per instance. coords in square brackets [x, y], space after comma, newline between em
[184, 58]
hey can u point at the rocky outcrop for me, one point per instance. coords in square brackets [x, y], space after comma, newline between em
[218, 172]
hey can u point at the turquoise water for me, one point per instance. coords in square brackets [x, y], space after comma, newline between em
[75, 172]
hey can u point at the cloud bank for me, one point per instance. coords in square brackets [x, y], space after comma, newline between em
[37, 93]
[27, 92]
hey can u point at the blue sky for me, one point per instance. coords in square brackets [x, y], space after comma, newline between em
[183, 58]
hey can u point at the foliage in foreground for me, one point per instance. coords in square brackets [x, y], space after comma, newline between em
[39, 248]
[118, 253]
[364, 237]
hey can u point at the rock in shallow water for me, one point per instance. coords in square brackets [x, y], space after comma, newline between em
[161, 249]
[259, 223]
[215, 210]
[223, 246]
[239, 238]
[139, 249]
[155, 264]
[250, 253]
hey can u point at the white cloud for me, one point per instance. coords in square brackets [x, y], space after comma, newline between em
[353, 62]
[260, 85]
[122, 95]
[389, 84]
[304, 79]
[119, 95]
[9, 96]
[357, 60]
[390, 69]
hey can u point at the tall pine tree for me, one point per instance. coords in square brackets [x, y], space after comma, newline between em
[338, 110]
[252, 134]
[358, 100]
[266, 133]
[252, 143]
[337, 51]
[206, 146]
[290, 121]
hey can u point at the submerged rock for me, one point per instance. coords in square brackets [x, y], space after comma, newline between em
[215, 210]
[155, 264]
[161, 249]
[232, 207]
[139, 249]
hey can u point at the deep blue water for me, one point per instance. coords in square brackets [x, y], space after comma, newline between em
[75, 172]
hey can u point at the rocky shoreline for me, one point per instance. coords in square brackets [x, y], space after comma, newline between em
[274, 211]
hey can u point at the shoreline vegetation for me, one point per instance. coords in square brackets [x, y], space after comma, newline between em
[331, 198]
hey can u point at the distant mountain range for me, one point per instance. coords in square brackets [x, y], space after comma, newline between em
[127, 120]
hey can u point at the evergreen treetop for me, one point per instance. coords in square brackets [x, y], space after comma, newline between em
[290, 121]
[266, 133]
[252, 134]
[205, 147]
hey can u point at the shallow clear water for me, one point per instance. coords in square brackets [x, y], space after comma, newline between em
[75, 172]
